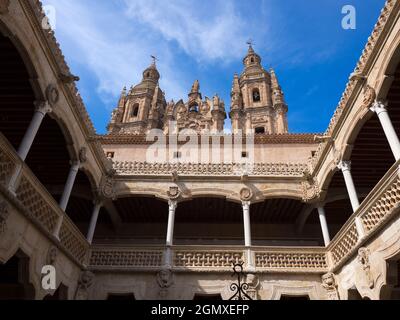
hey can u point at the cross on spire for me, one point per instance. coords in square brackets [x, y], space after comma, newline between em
[250, 42]
[154, 58]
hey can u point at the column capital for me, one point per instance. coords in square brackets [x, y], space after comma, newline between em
[246, 203]
[42, 107]
[344, 165]
[172, 204]
[378, 107]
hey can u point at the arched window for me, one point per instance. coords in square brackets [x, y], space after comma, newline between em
[256, 95]
[194, 108]
[260, 130]
[135, 110]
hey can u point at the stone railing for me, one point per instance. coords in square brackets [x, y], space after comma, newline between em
[39, 206]
[376, 209]
[125, 258]
[203, 259]
[218, 169]
[291, 260]
[209, 258]
[8, 160]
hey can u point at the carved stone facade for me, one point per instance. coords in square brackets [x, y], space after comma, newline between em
[293, 168]
[257, 105]
[257, 100]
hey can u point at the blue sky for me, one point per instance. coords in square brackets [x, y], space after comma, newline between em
[108, 44]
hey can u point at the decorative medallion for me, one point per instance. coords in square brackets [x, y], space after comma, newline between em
[246, 194]
[369, 97]
[52, 95]
[173, 193]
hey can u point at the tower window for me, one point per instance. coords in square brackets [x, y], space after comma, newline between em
[260, 130]
[194, 108]
[135, 110]
[256, 95]
[245, 154]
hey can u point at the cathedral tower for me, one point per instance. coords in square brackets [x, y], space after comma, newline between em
[142, 108]
[257, 100]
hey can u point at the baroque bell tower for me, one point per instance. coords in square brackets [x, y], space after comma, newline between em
[257, 100]
[142, 108]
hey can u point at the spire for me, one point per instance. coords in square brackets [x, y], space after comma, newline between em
[236, 85]
[252, 58]
[277, 93]
[196, 87]
[274, 80]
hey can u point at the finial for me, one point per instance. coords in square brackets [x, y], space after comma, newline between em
[250, 43]
[154, 58]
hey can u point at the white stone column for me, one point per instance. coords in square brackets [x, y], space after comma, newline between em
[171, 222]
[246, 221]
[324, 225]
[93, 221]
[380, 109]
[345, 166]
[42, 108]
[69, 185]
[172, 205]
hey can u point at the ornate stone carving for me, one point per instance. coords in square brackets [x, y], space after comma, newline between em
[85, 282]
[165, 279]
[211, 169]
[246, 194]
[4, 214]
[310, 190]
[68, 78]
[107, 186]
[4, 4]
[254, 284]
[52, 95]
[174, 193]
[52, 255]
[363, 259]
[83, 155]
[369, 97]
[330, 285]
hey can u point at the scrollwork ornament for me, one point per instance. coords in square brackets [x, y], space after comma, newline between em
[246, 194]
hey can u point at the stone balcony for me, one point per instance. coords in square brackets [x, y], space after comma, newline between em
[33, 201]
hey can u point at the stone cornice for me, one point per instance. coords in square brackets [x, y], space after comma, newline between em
[140, 139]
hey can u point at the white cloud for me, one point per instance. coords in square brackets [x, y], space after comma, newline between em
[206, 30]
[107, 45]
